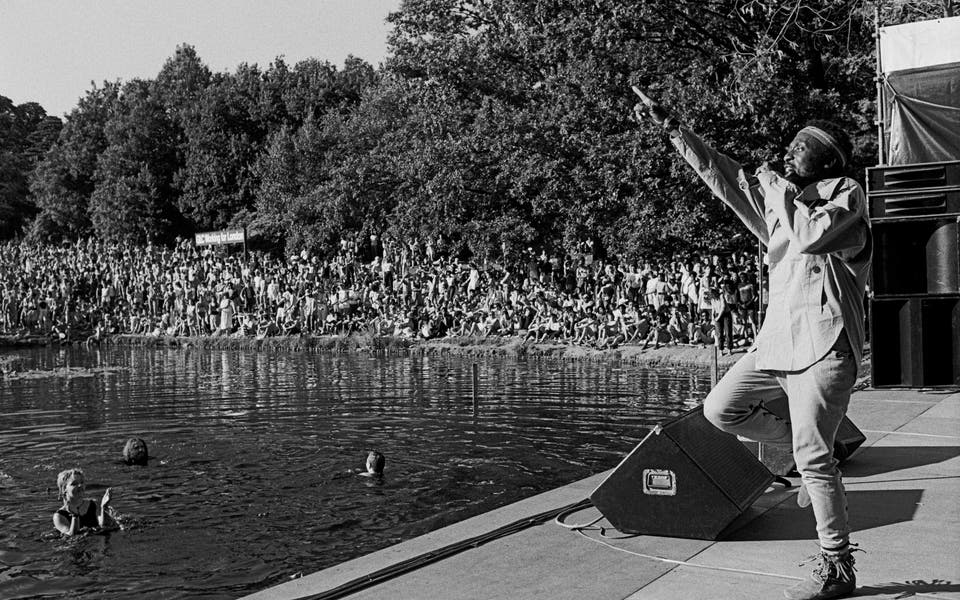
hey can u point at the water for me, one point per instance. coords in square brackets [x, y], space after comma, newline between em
[247, 484]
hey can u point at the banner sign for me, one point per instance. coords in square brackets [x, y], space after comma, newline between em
[221, 238]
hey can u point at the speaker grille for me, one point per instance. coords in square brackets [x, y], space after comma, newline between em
[724, 459]
[894, 178]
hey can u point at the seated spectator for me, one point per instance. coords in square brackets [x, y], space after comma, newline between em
[701, 333]
[268, 328]
[677, 326]
[587, 329]
[247, 325]
[659, 331]
[290, 326]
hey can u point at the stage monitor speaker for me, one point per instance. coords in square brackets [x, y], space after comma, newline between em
[687, 479]
[779, 457]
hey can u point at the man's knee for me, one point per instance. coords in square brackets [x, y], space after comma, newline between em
[815, 460]
[715, 411]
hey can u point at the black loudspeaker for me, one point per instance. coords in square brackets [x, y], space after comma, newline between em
[778, 458]
[915, 310]
[916, 256]
[915, 341]
[686, 479]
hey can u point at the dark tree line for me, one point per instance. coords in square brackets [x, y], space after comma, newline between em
[26, 132]
[491, 121]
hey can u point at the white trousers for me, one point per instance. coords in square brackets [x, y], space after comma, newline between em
[818, 397]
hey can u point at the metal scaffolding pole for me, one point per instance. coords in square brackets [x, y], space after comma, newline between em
[881, 146]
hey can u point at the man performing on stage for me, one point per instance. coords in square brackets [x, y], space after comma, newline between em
[813, 221]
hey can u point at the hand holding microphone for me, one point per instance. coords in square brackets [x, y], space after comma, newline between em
[652, 108]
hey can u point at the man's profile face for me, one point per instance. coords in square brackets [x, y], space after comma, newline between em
[806, 159]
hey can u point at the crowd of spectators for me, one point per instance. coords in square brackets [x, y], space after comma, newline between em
[381, 287]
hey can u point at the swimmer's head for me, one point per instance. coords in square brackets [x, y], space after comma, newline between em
[135, 452]
[375, 463]
[65, 477]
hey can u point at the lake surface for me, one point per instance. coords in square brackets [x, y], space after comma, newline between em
[247, 483]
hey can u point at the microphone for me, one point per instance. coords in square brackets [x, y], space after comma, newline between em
[643, 97]
[669, 123]
[751, 187]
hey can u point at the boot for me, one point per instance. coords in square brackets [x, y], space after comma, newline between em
[834, 577]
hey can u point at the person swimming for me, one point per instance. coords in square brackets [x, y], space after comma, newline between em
[372, 468]
[79, 513]
[375, 464]
[135, 452]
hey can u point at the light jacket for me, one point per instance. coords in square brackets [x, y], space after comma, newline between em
[819, 250]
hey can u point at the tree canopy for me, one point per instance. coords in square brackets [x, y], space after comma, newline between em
[26, 132]
[491, 121]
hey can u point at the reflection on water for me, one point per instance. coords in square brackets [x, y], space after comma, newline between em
[247, 483]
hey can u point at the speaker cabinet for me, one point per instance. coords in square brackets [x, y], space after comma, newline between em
[916, 341]
[916, 257]
[915, 310]
[896, 180]
[934, 202]
[778, 458]
[687, 479]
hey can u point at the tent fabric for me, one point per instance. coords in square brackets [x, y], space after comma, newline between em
[922, 110]
[919, 44]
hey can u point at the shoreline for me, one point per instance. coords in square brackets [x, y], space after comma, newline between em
[478, 347]
[674, 356]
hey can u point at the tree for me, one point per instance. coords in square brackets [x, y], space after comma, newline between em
[318, 132]
[133, 200]
[222, 141]
[549, 82]
[182, 81]
[26, 132]
[491, 121]
[63, 180]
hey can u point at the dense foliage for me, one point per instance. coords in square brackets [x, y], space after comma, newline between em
[492, 121]
[26, 132]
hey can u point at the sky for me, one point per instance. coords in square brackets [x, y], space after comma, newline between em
[52, 50]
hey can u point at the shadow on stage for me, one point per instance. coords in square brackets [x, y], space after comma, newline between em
[877, 460]
[908, 589]
[868, 509]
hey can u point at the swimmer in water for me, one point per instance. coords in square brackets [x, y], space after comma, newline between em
[135, 452]
[375, 463]
[79, 513]
[373, 468]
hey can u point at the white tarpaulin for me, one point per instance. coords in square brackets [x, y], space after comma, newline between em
[921, 44]
[921, 91]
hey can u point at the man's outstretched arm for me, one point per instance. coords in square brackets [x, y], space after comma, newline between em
[721, 173]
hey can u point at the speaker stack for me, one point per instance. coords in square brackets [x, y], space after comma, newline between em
[915, 310]
[687, 479]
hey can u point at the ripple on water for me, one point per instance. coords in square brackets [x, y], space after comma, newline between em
[253, 453]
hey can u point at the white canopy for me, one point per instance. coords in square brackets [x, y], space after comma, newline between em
[920, 44]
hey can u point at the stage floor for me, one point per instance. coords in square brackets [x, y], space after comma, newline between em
[903, 487]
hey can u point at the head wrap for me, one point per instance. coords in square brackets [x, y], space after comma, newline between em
[827, 140]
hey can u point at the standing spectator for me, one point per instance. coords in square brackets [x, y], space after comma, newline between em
[728, 288]
[747, 303]
[227, 312]
[689, 292]
[722, 321]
